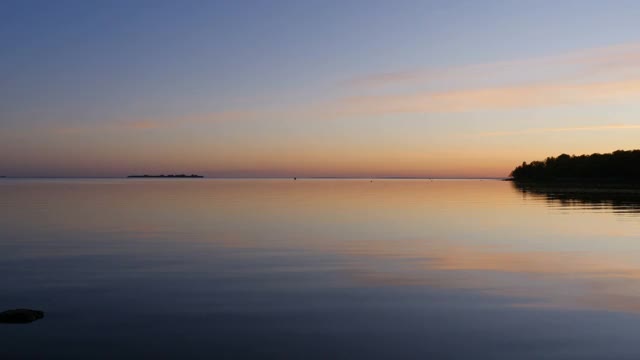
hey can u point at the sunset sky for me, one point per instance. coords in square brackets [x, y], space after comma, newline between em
[313, 88]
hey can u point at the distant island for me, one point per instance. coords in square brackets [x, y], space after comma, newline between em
[179, 176]
[618, 167]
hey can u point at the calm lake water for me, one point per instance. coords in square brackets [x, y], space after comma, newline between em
[318, 269]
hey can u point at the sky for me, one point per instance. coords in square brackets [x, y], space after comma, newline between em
[313, 88]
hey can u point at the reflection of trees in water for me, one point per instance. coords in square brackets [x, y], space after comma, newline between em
[619, 199]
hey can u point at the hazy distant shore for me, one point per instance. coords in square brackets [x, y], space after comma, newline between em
[170, 176]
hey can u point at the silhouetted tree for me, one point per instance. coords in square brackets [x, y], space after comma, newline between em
[620, 165]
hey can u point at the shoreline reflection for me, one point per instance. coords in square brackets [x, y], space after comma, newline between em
[618, 199]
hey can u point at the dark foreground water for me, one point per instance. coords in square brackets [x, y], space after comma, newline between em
[318, 269]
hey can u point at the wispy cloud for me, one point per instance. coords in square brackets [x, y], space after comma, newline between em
[128, 125]
[608, 75]
[140, 125]
[157, 123]
[172, 122]
[613, 60]
[561, 129]
[484, 99]
[499, 98]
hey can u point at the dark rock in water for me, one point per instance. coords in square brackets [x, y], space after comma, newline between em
[20, 316]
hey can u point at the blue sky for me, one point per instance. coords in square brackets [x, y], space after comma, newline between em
[274, 88]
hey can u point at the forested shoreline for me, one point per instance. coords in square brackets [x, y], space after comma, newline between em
[618, 166]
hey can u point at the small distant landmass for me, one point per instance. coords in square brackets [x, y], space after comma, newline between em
[622, 166]
[170, 176]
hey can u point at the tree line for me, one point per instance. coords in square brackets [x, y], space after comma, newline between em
[619, 165]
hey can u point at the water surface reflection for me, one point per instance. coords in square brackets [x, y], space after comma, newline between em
[618, 199]
[318, 269]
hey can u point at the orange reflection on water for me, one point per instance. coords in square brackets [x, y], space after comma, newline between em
[475, 235]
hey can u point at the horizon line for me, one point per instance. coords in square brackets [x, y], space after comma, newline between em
[267, 177]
